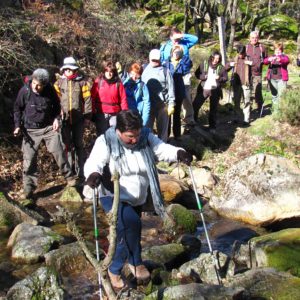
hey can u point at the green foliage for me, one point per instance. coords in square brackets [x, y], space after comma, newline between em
[154, 5]
[272, 146]
[279, 26]
[174, 19]
[184, 218]
[289, 107]
[261, 126]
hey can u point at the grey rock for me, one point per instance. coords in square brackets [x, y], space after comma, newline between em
[30, 243]
[259, 190]
[42, 284]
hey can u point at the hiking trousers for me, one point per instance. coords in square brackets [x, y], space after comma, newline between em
[277, 86]
[72, 137]
[129, 229]
[103, 121]
[188, 110]
[214, 97]
[239, 92]
[30, 147]
[257, 90]
[159, 113]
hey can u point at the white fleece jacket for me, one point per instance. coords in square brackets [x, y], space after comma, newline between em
[134, 180]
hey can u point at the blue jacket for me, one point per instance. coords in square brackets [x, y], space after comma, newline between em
[182, 68]
[138, 98]
[187, 42]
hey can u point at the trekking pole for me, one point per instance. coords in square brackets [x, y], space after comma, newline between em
[96, 233]
[204, 226]
[261, 111]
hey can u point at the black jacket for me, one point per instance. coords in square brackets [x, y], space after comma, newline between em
[36, 110]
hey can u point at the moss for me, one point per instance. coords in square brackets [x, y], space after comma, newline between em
[282, 250]
[184, 218]
[261, 126]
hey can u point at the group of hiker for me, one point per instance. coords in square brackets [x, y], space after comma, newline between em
[124, 107]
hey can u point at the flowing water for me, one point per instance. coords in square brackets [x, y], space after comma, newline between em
[222, 234]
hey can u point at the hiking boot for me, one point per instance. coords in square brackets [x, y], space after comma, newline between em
[116, 280]
[140, 272]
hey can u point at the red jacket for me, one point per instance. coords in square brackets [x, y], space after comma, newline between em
[110, 98]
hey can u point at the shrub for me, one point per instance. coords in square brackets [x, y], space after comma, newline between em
[289, 107]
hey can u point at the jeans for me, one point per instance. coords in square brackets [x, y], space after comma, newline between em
[129, 228]
[277, 86]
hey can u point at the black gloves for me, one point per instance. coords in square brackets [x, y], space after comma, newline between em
[184, 157]
[94, 180]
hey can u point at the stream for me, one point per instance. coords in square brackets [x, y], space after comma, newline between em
[222, 234]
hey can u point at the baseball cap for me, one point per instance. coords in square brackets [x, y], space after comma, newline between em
[154, 54]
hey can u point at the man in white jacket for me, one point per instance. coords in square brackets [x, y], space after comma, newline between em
[131, 150]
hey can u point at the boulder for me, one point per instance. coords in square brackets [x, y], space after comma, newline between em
[42, 284]
[279, 250]
[203, 267]
[67, 259]
[182, 220]
[70, 194]
[30, 243]
[259, 190]
[171, 188]
[163, 254]
[267, 283]
[197, 291]
[12, 214]
[205, 181]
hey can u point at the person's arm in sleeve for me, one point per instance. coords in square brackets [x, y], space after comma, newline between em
[146, 105]
[223, 75]
[123, 97]
[95, 94]
[163, 151]
[284, 60]
[19, 107]
[189, 40]
[171, 88]
[98, 158]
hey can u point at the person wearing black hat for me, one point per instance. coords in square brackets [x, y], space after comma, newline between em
[75, 98]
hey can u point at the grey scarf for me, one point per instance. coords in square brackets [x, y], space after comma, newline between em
[117, 150]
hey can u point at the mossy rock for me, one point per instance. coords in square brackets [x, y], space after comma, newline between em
[70, 194]
[184, 219]
[280, 250]
[163, 254]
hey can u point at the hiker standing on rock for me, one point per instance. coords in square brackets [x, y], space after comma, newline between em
[108, 97]
[131, 150]
[186, 41]
[240, 81]
[256, 53]
[212, 75]
[162, 96]
[137, 93]
[277, 73]
[37, 116]
[75, 99]
[178, 65]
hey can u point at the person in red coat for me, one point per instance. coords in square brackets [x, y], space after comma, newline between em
[108, 97]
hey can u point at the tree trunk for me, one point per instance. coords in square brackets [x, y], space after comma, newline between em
[298, 40]
[221, 28]
[232, 24]
[186, 15]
